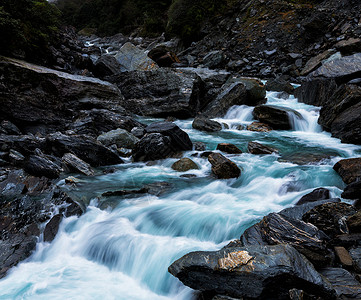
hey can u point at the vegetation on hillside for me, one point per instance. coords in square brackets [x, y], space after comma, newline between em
[27, 27]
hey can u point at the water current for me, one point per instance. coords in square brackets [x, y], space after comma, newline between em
[122, 246]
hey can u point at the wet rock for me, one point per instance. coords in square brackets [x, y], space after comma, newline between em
[158, 188]
[229, 95]
[257, 148]
[25, 144]
[305, 158]
[6, 127]
[153, 146]
[199, 146]
[348, 240]
[276, 117]
[179, 138]
[16, 158]
[131, 58]
[41, 166]
[343, 256]
[184, 164]
[106, 65]
[72, 163]
[204, 124]
[52, 227]
[119, 137]
[120, 193]
[222, 167]
[349, 169]
[354, 222]
[163, 56]
[256, 91]
[162, 93]
[345, 285]
[84, 147]
[279, 84]
[138, 132]
[330, 217]
[275, 229]
[352, 191]
[228, 148]
[315, 195]
[259, 127]
[253, 272]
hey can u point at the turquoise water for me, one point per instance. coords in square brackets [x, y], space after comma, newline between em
[122, 246]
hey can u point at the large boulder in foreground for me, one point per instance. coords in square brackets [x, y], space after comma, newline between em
[252, 272]
[276, 117]
[349, 169]
[222, 167]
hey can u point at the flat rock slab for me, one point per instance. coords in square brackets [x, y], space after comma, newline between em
[251, 272]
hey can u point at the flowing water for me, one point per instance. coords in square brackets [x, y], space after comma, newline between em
[122, 246]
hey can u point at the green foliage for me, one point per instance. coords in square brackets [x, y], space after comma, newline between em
[27, 26]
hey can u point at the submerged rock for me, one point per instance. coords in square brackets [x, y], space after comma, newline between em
[204, 124]
[185, 164]
[253, 272]
[222, 167]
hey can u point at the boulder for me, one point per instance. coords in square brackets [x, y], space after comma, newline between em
[349, 169]
[354, 222]
[352, 191]
[276, 117]
[33, 96]
[106, 65]
[259, 127]
[153, 146]
[162, 93]
[343, 256]
[72, 163]
[256, 91]
[222, 167]
[6, 127]
[257, 148]
[276, 229]
[204, 124]
[279, 84]
[184, 164]
[342, 281]
[316, 61]
[119, 137]
[228, 148]
[252, 272]
[163, 56]
[330, 217]
[25, 144]
[84, 147]
[41, 166]
[349, 46]
[131, 58]
[138, 132]
[179, 139]
[51, 228]
[214, 59]
[315, 195]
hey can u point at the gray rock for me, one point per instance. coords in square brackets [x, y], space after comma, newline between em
[106, 65]
[138, 132]
[75, 164]
[257, 148]
[356, 257]
[41, 166]
[204, 124]
[316, 61]
[213, 59]
[279, 85]
[153, 146]
[254, 272]
[52, 227]
[119, 137]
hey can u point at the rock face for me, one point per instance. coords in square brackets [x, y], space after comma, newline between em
[276, 117]
[153, 146]
[279, 85]
[74, 163]
[229, 148]
[37, 99]
[352, 191]
[257, 148]
[184, 164]
[222, 167]
[131, 58]
[41, 166]
[204, 124]
[161, 93]
[349, 169]
[315, 195]
[253, 272]
[119, 137]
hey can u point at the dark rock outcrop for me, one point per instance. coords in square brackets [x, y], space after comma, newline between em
[204, 124]
[257, 148]
[42, 166]
[349, 169]
[253, 272]
[222, 167]
[184, 164]
[315, 195]
[352, 191]
[279, 84]
[72, 163]
[229, 148]
[153, 146]
[276, 117]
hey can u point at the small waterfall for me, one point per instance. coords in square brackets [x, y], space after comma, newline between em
[237, 115]
[305, 120]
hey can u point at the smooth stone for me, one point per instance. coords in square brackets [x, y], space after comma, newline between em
[204, 124]
[222, 167]
[343, 256]
[349, 169]
[315, 195]
[184, 164]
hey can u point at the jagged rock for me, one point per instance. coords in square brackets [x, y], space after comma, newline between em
[33, 96]
[279, 84]
[106, 65]
[276, 117]
[138, 132]
[41, 166]
[73, 163]
[228, 148]
[222, 167]
[6, 127]
[119, 137]
[315, 195]
[204, 124]
[349, 169]
[163, 56]
[356, 257]
[253, 272]
[153, 146]
[131, 58]
[350, 46]
[345, 285]
[330, 217]
[199, 146]
[316, 61]
[25, 144]
[52, 227]
[257, 148]
[275, 229]
[352, 191]
[213, 59]
[259, 127]
[354, 222]
[16, 158]
[179, 138]
[162, 93]
[84, 147]
[184, 164]
[230, 94]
